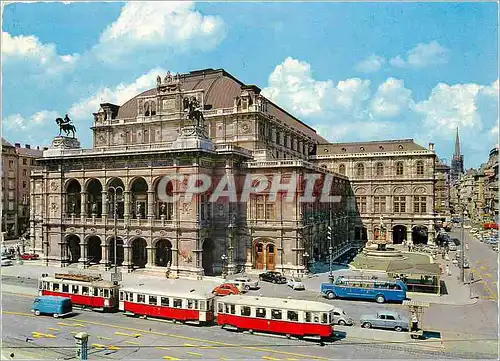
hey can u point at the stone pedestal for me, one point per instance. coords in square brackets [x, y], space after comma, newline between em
[193, 137]
[61, 143]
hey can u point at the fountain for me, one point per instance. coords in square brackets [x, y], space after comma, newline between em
[380, 247]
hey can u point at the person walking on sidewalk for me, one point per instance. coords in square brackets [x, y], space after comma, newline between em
[467, 246]
[414, 322]
[448, 272]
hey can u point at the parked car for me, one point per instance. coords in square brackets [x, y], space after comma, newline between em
[456, 241]
[452, 246]
[385, 319]
[6, 262]
[272, 276]
[52, 305]
[239, 285]
[226, 289]
[249, 284]
[466, 264]
[30, 256]
[341, 318]
[295, 283]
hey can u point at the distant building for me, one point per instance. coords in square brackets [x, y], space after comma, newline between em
[457, 162]
[17, 163]
[442, 200]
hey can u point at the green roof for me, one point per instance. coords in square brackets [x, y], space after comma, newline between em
[403, 267]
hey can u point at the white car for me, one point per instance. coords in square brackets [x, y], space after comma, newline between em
[247, 283]
[295, 283]
[6, 262]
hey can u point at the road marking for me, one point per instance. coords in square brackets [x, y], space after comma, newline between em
[102, 337]
[261, 349]
[194, 353]
[98, 345]
[189, 345]
[291, 359]
[53, 329]
[113, 348]
[41, 334]
[269, 358]
[132, 343]
[488, 275]
[135, 335]
[73, 332]
[77, 325]
[169, 358]
[162, 348]
[482, 268]
[63, 324]
[208, 347]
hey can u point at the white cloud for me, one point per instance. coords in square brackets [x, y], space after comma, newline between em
[371, 64]
[421, 56]
[117, 95]
[28, 54]
[391, 99]
[152, 26]
[36, 120]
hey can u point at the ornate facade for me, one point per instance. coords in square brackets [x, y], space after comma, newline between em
[394, 179]
[88, 202]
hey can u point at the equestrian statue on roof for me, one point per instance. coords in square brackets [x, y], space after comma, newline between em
[65, 124]
[192, 107]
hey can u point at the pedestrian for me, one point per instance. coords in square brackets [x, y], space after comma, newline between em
[467, 246]
[448, 272]
[414, 322]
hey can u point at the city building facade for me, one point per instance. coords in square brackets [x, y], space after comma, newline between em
[104, 205]
[393, 180]
[442, 189]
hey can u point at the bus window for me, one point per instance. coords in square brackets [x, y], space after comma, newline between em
[245, 310]
[292, 316]
[121, 296]
[260, 312]
[141, 298]
[85, 290]
[324, 319]
[55, 287]
[276, 314]
[165, 301]
[308, 316]
[153, 300]
[220, 307]
[177, 302]
[65, 288]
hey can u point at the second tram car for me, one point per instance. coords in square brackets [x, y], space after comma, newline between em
[308, 319]
[190, 306]
[85, 291]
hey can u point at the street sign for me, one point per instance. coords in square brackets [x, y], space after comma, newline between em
[116, 277]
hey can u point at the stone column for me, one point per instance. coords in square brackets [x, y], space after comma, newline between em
[104, 205]
[127, 256]
[83, 254]
[151, 256]
[150, 211]
[126, 205]
[408, 234]
[83, 205]
[105, 256]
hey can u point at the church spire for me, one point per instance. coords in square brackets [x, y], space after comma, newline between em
[457, 145]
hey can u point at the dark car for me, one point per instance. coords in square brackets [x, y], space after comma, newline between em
[271, 276]
[456, 241]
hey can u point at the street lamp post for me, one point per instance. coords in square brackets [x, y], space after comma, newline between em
[462, 255]
[330, 252]
[306, 260]
[115, 231]
[224, 260]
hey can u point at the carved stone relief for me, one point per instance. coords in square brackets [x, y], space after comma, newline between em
[53, 186]
[186, 208]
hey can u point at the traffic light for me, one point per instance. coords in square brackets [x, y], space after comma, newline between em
[329, 233]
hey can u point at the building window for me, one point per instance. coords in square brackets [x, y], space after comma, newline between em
[379, 204]
[360, 170]
[399, 204]
[420, 204]
[25, 161]
[263, 208]
[24, 184]
[11, 164]
[399, 168]
[379, 169]
[342, 169]
[420, 168]
[361, 203]
[25, 172]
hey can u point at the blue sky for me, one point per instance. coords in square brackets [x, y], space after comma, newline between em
[354, 71]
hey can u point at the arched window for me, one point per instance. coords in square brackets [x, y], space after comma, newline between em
[147, 110]
[379, 169]
[153, 108]
[399, 168]
[360, 170]
[342, 169]
[420, 168]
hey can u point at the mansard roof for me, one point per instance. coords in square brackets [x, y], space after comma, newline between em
[5, 143]
[220, 89]
[395, 145]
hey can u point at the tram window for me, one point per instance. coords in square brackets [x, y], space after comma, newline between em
[233, 309]
[324, 319]
[165, 301]
[177, 302]
[202, 306]
[141, 298]
[74, 289]
[227, 308]
[308, 316]
[276, 314]
[106, 293]
[316, 318]
[65, 288]
[45, 285]
[55, 287]
[153, 300]
[190, 304]
[96, 292]
[260, 312]
[195, 304]
[220, 307]
[85, 290]
[292, 316]
[245, 310]
[121, 296]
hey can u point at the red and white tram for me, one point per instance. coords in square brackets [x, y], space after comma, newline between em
[86, 291]
[308, 319]
[188, 307]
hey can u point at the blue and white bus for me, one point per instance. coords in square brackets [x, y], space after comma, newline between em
[366, 289]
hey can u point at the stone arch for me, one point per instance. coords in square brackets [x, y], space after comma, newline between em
[264, 250]
[379, 190]
[72, 245]
[93, 187]
[419, 234]
[117, 183]
[419, 190]
[360, 190]
[94, 250]
[73, 190]
[399, 234]
[164, 207]
[120, 254]
[163, 252]
[139, 252]
[207, 258]
[342, 169]
[399, 190]
[138, 187]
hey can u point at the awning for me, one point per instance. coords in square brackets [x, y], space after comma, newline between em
[402, 267]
